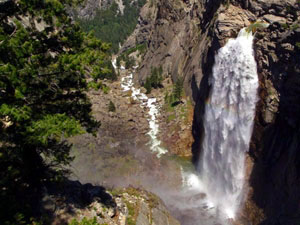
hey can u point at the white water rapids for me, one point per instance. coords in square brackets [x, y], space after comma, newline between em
[228, 124]
[150, 103]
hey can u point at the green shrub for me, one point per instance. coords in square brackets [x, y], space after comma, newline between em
[111, 107]
[94, 85]
[295, 26]
[140, 47]
[171, 117]
[178, 89]
[131, 214]
[85, 221]
[105, 89]
[175, 97]
[285, 25]
[148, 86]
[154, 80]
[129, 62]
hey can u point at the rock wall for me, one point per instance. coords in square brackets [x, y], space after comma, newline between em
[144, 26]
[184, 37]
[88, 8]
[276, 143]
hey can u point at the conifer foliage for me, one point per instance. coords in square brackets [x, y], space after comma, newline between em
[44, 59]
[154, 80]
[112, 26]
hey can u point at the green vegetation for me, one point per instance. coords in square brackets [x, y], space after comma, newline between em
[99, 85]
[178, 89]
[142, 48]
[177, 93]
[131, 219]
[128, 60]
[43, 98]
[173, 100]
[84, 221]
[298, 45]
[111, 107]
[105, 89]
[256, 25]
[285, 25]
[293, 26]
[171, 117]
[154, 80]
[116, 192]
[152, 200]
[133, 191]
[111, 26]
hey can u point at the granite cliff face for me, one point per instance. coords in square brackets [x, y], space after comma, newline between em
[88, 9]
[183, 37]
[144, 26]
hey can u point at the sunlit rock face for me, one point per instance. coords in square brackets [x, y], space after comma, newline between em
[89, 8]
[228, 124]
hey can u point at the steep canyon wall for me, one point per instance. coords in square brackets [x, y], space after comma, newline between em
[184, 35]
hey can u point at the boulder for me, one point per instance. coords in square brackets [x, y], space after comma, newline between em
[274, 19]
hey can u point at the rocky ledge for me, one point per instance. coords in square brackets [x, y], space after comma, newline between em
[71, 201]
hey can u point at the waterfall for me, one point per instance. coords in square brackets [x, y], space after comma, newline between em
[228, 124]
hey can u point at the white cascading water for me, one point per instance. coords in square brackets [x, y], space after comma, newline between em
[150, 103]
[228, 124]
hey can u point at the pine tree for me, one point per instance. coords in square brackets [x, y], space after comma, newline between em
[148, 86]
[111, 107]
[44, 60]
[178, 89]
[154, 80]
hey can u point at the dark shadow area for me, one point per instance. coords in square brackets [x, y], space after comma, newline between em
[68, 195]
[210, 9]
[199, 110]
[200, 97]
[176, 103]
[275, 177]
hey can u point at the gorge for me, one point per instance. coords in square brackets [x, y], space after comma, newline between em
[185, 38]
[172, 112]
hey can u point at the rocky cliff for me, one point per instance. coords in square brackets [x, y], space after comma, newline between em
[88, 9]
[183, 37]
[72, 201]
